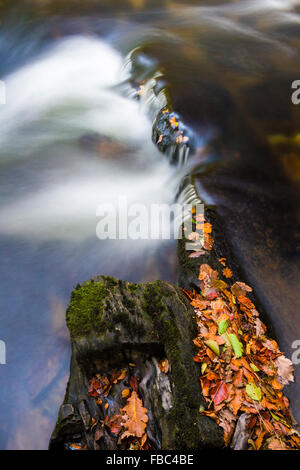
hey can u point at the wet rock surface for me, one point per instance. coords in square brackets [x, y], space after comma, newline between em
[118, 325]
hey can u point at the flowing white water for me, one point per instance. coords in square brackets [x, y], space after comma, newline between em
[54, 174]
[69, 92]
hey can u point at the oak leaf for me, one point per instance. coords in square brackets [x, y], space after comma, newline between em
[135, 416]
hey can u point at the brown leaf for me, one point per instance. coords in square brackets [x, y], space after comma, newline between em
[236, 403]
[227, 422]
[118, 375]
[135, 415]
[134, 383]
[276, 444]
[115, 423]
[285, 370]
[240, 289]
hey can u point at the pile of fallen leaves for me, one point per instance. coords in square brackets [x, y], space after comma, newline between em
[130, 423]
[242, 371]
[128, 426]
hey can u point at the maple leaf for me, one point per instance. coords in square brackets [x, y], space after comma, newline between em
[284, 369]
[135, 416]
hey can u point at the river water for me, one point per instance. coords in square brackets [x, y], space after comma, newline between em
[228, 68]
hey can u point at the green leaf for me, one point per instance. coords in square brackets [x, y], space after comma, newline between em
[213, 345]
[253, 392]
[237, 345]
[203, 367]
[219, 284]
[223, 325]
[274, 416]
[253, 366]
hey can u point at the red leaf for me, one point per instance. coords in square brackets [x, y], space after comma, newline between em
[221, 394]
[134, 383]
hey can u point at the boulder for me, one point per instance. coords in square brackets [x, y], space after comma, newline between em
[119, 325]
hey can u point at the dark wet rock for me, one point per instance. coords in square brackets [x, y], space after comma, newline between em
[176, 139]
[118, 325]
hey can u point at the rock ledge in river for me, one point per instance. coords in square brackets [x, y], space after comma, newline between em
[114, 323]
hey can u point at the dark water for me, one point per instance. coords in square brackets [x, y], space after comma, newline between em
[229, 70]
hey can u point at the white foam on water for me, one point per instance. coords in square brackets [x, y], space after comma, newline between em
[70, 91]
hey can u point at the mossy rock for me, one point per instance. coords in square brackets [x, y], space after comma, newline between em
[114, 323]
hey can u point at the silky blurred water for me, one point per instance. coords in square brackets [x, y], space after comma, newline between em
[229, 69]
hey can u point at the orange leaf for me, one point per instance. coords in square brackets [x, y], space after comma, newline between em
[259, 440]
[164, 365]
[135, 415]
[236, 403]
[208, 242]
[207, 228]
[227, 272]
[117, 376]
